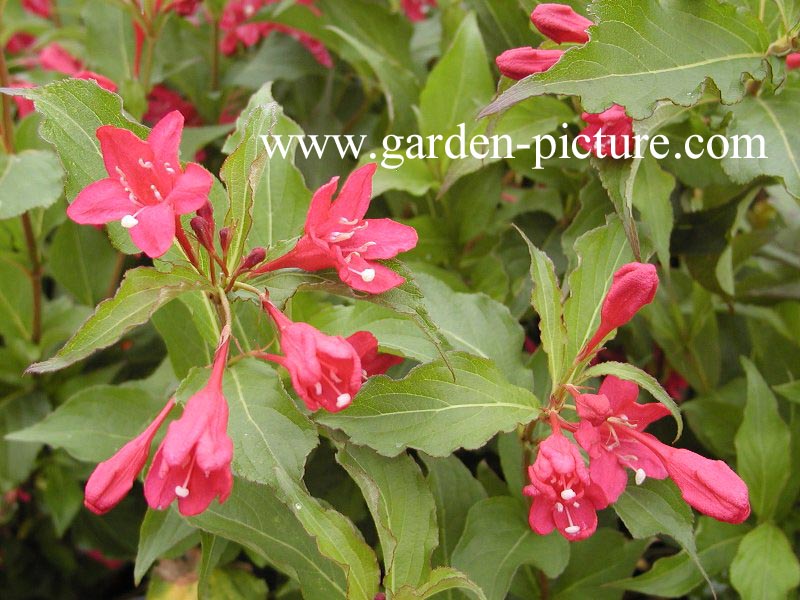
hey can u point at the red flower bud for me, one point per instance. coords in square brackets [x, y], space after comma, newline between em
[225, 239]
[560, 23]
[207, 212]
[202, 229]
[518, 63]
[793, 60]
[256, 256]
[634, 286]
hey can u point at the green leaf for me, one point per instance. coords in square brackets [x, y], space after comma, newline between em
[83, 261]
[95, 422]
[434, 409]
[650, 190]
[443, 579]
[16, 300]
[595, 562]
[657, 507]
[161, 531]
[600, 252]
[402, 508]
[497, 540]
[763, 445]
[141, 293]
[644, 380]
[73, 110]
[649, 50]
[677, 575]
[213, 547]
[765, 566]
[336, 536]
[62, 494]
[30, 179]
[455, 491]
[477, 324]
[187, 347]
[768, 116]
[256, 519]
[546, 301]
[17, 458]
[238, 583]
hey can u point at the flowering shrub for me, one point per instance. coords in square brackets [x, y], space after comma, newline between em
[231, 372]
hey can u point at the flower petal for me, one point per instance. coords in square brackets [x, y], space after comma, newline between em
[125, 155]
[369, 277]
[381, 239]
[191, 189]
[155, 231]
[353, 201]
[101, 202]
[165, 138]
[320, 206]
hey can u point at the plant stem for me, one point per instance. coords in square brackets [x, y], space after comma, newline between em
[215, 55]
[36, 277]
[180, 234]
[147, 61]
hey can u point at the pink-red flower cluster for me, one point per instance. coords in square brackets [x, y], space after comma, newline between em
[146, 189]
[338, 236]
[417, 10]
[326, 371]
[566, 494]
[238, 29]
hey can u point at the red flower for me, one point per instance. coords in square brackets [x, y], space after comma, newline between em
[53, 57]
[161, 101]
[24, 105]
[237, 30]
[634, 286]
[560, 23]
[43, 8]
[611, 430]
[19, 42]
[614, 128]
[372, 361]
[147, 188]
[193, 462]
[337, 236]
[564, 497]
[184, 7]
[793, 60]
[112, 479]
[518, 63]
[417, 10]
[325, 370]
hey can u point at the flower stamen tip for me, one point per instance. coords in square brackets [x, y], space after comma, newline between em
[343, 400]
[181, 492]
[568, 494]
[129, 221]
[640, 476]
[572, 529]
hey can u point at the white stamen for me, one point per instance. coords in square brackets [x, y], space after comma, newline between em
[640, 476]
[345, 221]
[338, 236]
[559, 507]
[367, 275]
[624, 417]
[156, 193]
[568, 494]
[129, 221]
[181, 492]
[576, 505]
[318, 388]
[249, 10]
[343, 400]
[364, 374]
[572, 529]
[145, 164]
[169, 168]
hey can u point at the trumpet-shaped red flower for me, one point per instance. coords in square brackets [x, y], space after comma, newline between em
[372, 361]
[326, 370]
[612, 432]
[112, 479]
[564, 497]
[193, 462]
[146, 188]
[417, 10]
[634, 286]
[614, 130]
[560, 23]
[337, 236]
[518, 63]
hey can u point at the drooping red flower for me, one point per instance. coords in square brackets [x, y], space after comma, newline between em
[112, 479]
[373, 362]
[146, 188]
[793, 60]
[19, 41]
[564, 496]
[239, 30]
[561, 23]
[615, 130]
[161, 101]
[42, 8]
[634, 286]
[326, 370]
[54, 57]
[337, 236]
[518, 63]
[417, 10]
[193, 462]
[611, 430]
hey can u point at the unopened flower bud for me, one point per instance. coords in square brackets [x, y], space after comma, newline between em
[207, 212]
[203, 230]
[225, 239]
[256, 256]
[518, 63]
[560, 23]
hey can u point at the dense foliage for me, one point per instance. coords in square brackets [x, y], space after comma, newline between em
[230, 372]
